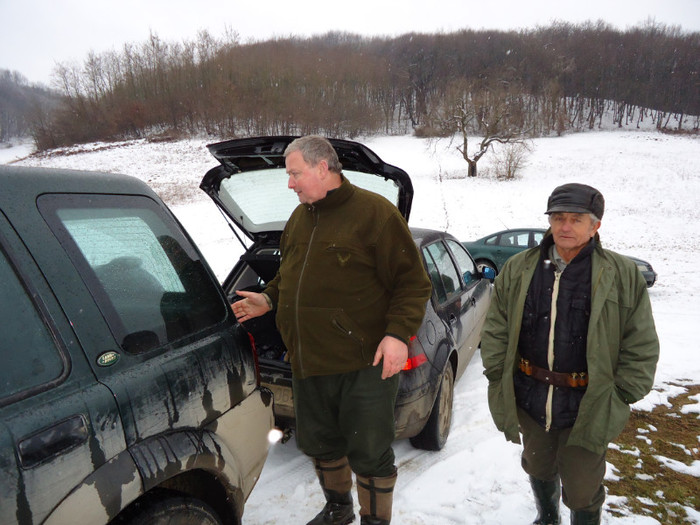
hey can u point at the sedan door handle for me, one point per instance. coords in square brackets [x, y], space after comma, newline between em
[453, 319]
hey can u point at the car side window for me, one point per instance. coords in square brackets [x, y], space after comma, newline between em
[464, 261]
[537, 238]
[30, 357]
[435, 277]
[149, 282]
[518, 239]
[521, 239]
[445, 267]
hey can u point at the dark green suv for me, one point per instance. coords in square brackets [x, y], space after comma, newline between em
[128, 392]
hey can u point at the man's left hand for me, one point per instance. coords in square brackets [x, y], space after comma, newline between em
[393, 352]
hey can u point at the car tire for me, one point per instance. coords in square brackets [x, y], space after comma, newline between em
[170, 509]
[483, 263]
[437, 428]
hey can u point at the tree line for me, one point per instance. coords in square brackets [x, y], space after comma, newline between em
[536, 82]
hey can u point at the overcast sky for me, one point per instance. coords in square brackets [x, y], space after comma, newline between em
[35, 35]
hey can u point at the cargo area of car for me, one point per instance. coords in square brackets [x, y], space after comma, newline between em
[252, 272]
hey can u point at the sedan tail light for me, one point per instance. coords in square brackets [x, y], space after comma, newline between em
[418, 357]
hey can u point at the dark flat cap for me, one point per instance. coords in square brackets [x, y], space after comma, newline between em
[576, 198]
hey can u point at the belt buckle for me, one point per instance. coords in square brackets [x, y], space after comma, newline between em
[583, 379]
[573, 380]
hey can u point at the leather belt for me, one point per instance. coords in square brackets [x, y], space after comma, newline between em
[561, 379]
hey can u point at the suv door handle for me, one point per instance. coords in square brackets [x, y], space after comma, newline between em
[52, 441]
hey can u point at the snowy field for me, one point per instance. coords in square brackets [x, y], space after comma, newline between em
[651, 183]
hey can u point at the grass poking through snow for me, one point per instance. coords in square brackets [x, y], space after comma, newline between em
[657, 462]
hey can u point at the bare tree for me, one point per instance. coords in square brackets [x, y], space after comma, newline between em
[494, 114]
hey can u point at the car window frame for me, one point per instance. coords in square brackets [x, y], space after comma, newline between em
[49, 205]
[474, 274]
[449, 297]
[19, 266]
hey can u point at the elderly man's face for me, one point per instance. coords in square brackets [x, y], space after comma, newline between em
[572, 231]
[307, 181]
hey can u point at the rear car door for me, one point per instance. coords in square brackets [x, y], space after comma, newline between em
[509, 243]
[57, 423]
[173, 362]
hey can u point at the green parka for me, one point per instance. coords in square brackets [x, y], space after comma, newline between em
[622, 349]
[350, 274]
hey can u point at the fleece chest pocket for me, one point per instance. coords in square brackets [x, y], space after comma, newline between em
[348, 255]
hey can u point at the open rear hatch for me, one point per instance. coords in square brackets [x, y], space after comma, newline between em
[250, 184]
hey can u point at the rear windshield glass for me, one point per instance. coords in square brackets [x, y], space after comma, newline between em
[261, 201]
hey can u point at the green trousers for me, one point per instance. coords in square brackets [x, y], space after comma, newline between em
[546, 456]
[348, 415]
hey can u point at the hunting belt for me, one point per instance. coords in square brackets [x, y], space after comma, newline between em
[561, 379]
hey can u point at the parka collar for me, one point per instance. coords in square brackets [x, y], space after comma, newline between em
[586, 251]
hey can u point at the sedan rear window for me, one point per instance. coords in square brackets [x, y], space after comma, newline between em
[261, 201]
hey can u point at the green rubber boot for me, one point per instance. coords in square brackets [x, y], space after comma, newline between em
[547, 494]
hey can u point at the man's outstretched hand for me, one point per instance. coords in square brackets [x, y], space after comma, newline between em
[252, 305]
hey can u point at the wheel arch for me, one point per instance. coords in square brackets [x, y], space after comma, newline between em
[481, 261]
[194, 463]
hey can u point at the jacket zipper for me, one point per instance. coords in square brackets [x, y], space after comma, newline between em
[550, 348]
[314, 214]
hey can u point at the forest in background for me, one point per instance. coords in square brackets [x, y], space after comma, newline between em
[532, 82]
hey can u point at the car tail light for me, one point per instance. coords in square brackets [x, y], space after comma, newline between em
[414, 361]
[255, 358]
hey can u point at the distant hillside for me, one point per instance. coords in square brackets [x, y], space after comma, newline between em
[22, 104]
[537, 82]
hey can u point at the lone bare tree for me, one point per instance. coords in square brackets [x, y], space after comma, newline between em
[495, 114]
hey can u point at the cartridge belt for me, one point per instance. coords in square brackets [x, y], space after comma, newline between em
[561, 379]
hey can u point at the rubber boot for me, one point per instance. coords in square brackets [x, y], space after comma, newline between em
[376, 496]
[335, 477]
[585, 517]
[547, 494]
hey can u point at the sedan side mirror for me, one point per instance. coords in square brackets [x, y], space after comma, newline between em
[488, 273]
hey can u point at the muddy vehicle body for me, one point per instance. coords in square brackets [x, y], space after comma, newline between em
[127, 390]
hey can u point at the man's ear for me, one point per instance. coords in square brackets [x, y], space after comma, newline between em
[323, 168]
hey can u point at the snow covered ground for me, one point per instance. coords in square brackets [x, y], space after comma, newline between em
[651, 184]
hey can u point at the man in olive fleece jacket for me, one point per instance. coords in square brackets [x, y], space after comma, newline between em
[350, 292]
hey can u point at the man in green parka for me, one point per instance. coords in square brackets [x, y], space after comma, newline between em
[350, 292]
[568, 344]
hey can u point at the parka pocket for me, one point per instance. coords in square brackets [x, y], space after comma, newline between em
[619, 415]
[496, 405]
[350, 330]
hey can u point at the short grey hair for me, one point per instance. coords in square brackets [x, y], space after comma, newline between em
[314, 149]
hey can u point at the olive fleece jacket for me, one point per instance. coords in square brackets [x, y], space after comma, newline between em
[350, 273]
[621, 352]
